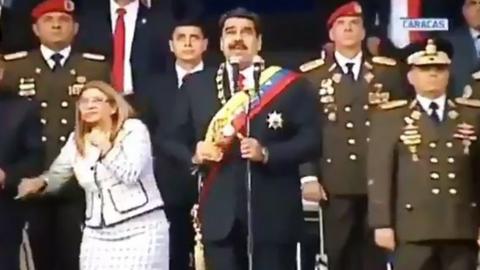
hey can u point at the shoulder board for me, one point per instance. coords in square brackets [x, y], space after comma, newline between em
[382, 60]
[15, 56]
[476, 75]
[393, 104]
[92, 56]
[312, 65]
[468, 102]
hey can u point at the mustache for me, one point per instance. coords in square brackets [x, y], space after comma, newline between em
[238, 45]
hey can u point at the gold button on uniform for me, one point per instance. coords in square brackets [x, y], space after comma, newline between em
[329, 160]
[432, 145]
[451, 160]
[366, 107]
[348, 109]
[408, 206]
[44, 139]
[43, 121]
[349, 125]
[435, 176]
[367, 123]
[44, 104]
[64, 104]
[351, 141]
[436, 191]
[63, 121]
[433, 160]
[451, 176]
[62, 138]
[449, 144]
[353, 157]
[452, 191]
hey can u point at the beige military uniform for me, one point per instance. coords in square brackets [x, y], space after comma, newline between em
[28, 74]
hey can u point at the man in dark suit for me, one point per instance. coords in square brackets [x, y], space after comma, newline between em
[21, 155]
[53, 74]
[178, 187]
[423, 171]
[466, 45]
[283, 134]
[134, 37]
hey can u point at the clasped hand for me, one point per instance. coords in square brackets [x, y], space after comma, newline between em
[99, 139]
[250, 149]
[30, 186]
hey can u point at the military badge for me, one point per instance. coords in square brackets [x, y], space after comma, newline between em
[453, 114]
[275, 120]
[69, 5]
[74, 90]
[369, 77]
[337, 77]
[411, 136]
[26, 87]
[377, 96]
[466, 133]
[467, 91]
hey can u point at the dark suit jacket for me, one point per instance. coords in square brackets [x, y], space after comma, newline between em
[277, 209]
[465, 60]
[177, 185]
[150, 51]
[21, 151]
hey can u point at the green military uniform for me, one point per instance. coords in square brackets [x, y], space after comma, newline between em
[345, 105]
[28, 74]
[423, 179]
[55, 221]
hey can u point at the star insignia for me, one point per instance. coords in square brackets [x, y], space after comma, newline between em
[275, 120]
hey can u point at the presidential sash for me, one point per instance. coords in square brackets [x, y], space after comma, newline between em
[232, 118]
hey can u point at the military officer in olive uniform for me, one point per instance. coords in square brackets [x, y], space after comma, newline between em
[349, 85]
[53, 75]
[423, 171]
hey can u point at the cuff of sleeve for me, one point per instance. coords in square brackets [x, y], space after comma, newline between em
[307, 179]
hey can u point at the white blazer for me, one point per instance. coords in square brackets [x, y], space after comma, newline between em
[117, 187]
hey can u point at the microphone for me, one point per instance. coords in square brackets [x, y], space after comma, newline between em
[235, 63]
[258, 64]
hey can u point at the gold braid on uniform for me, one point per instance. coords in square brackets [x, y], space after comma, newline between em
[219, 81]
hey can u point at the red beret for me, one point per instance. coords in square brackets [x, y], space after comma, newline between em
[349, 9]
[65, 6]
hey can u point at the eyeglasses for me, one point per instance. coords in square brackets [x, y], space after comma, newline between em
[82, 102]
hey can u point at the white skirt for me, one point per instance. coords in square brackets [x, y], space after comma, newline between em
[140, 243]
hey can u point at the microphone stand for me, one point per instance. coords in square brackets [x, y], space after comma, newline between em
[256, 89]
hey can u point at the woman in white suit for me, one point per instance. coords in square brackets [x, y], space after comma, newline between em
[109, 153]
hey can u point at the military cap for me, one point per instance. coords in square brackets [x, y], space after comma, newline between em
[433, 53]
[65, 6]
[347, 10]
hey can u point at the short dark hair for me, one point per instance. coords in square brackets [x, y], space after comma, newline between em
[188, 22]
[241, 12]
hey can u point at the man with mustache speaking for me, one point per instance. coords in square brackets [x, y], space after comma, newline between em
[211, 132]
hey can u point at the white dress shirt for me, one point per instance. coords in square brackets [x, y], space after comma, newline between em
[440, 101]
[357, 63]
[181, 72]
[248, 83]
[47, 55]
[130, 18]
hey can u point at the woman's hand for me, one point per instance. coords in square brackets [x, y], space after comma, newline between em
[30, 186]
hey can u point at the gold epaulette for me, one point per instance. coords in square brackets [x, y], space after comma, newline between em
[382, 60]
[312, 65]
[393, 104]
[468, 102]
[476, 75]
[15, 56]
[93, 56]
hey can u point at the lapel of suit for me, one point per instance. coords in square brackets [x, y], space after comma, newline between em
[450, 120]
[140, 24]
[467, 43]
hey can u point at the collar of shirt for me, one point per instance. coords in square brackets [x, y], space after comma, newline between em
[425, 103]
[474, 33]
[181, 72]
[47, 55]
[342, 61]
[247, 73]
[131, 12]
